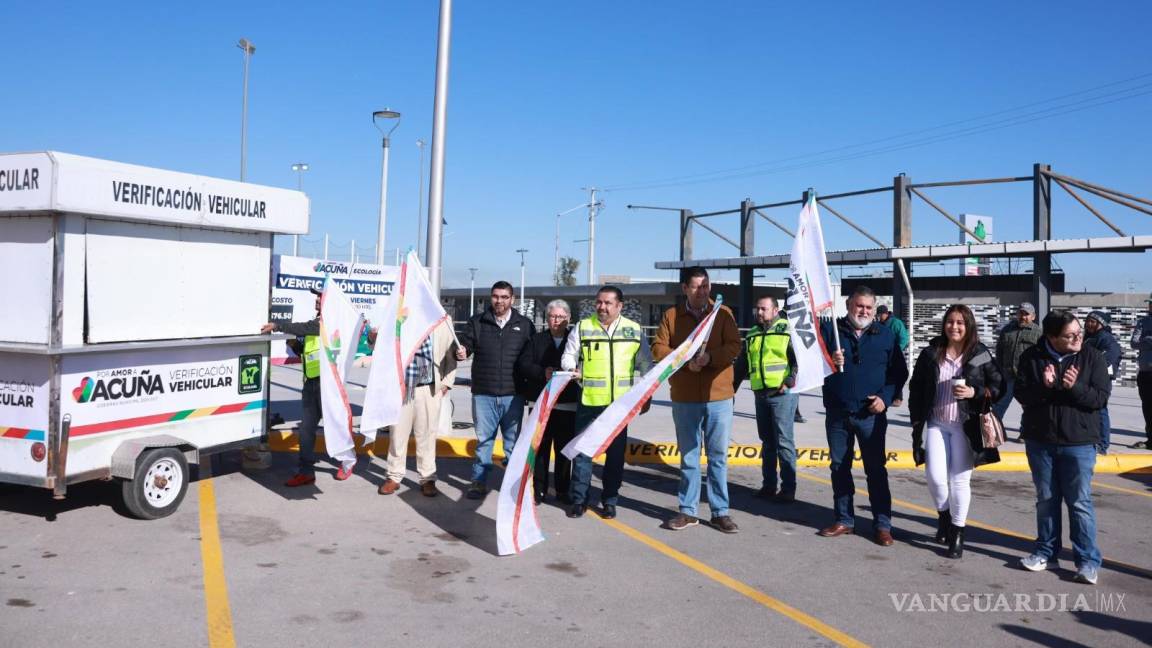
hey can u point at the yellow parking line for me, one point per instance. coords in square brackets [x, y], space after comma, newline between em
[218, 613]
[980, 525]
[767, 601]
[1121, 489]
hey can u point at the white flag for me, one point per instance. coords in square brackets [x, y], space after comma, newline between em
[809, 295]
[410, 314]
[517, 527]
[601, 432]
[340, 329]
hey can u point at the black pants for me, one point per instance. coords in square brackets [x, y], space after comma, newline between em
[309, 420]
[560, 430]
[1144, 386]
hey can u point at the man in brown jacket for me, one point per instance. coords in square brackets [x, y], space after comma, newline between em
[701, 398]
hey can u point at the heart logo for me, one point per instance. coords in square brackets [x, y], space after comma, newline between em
[82, 393]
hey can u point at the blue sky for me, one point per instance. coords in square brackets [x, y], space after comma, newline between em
[549, 97]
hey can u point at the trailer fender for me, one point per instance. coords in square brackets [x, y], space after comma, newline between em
[124, 459]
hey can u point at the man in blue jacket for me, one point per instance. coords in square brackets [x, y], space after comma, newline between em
[856, 398]
[1099, 336]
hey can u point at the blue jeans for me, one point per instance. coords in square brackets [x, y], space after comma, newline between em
[713, 421]
[775, 416]
[613, 474]
[1001, 406]
[488, 413]
[843, 430]
[1064, 474]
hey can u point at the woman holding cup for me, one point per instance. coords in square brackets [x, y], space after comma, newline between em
[955, 379]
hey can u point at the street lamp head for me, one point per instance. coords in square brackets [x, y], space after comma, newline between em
[300, 166]
[420, 143]
[247, 46]
[385, 114]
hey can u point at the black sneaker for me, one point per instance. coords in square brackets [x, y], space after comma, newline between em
[577, 510]
[766, 492]
[609, 511]
[477, 490]
[785, 497]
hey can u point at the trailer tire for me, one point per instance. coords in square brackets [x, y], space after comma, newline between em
[158, 485]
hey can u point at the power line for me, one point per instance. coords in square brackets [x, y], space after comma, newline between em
[773, 166]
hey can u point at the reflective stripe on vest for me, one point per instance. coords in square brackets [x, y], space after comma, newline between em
[312, 356]
[768, 355]
[607, 363]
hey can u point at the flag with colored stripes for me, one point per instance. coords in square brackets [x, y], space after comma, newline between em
[516, 525]
[599, 434]
[411, 312]
[340, 328]
[809, 295]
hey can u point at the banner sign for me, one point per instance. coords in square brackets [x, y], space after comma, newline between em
[365, 284]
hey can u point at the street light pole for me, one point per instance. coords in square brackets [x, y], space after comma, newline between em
[299, 168]
[556, 254]
[249, 50]
[439, 135]
[593, 207]
[420, 200]
[472, 293]
[378, 115]
[522, 251]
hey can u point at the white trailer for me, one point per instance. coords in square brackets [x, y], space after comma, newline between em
[130, 296]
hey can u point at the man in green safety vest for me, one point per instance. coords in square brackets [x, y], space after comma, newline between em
[309, 394]
[607, 351]
[769, 364]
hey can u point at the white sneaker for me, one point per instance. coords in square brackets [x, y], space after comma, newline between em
[1086, 574]
[1036, 562]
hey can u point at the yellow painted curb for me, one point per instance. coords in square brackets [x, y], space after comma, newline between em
[645, 452]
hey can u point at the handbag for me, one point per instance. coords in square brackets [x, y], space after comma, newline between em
[991, 427]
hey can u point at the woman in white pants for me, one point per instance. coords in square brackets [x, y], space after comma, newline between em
[955, 379]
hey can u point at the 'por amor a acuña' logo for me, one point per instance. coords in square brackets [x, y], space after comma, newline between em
[91, 389]
[329, 267]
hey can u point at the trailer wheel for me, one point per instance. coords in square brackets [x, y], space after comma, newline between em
[159, 484]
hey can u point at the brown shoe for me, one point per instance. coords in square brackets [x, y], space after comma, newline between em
[388, 487]
[883, 537]
[725, 524]
[837, 529]
[428, 488]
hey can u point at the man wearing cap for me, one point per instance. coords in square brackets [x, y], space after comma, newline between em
[1099, 336]
[884, 316]
[309, 396]
[1016, 337]
[1142, 342]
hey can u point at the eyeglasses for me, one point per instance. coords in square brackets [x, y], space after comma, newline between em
[557, 317]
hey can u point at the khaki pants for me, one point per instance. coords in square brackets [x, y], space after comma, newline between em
[421, 419]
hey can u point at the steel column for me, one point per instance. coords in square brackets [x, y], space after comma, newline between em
[685, 234]
[1042, 230]
[747, 247]
[901, 237]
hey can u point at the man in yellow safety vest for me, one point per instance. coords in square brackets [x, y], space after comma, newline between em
[608, 351]
[309, 395]
[770, 366]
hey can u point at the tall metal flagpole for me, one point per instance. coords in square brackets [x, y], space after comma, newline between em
[439, 132]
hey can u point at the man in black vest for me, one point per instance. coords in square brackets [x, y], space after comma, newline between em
[494, 338]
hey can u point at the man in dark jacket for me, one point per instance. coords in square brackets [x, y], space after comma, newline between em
[1062, 389]
[856, 399]
[1015, 338]
[1142, 342]
[1099, 336]
[495, 339]
[539, 359]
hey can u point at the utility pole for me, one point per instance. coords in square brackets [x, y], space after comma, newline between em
[522, 251]
[593, 207]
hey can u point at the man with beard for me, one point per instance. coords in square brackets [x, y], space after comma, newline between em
[871, 372]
